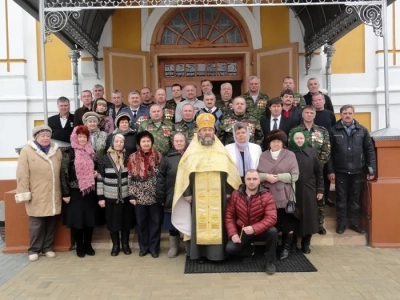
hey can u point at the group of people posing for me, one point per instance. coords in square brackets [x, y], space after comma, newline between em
[220, 172]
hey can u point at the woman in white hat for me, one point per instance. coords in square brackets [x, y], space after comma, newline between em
[38, 185]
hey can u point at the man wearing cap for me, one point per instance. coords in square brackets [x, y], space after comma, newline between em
[205, 179]
[39, 187]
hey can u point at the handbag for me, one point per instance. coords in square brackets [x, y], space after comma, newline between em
[291, 205]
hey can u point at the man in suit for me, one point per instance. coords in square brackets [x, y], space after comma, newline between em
[137, 111]
[313, 87]
[62, 124]
[274, 120]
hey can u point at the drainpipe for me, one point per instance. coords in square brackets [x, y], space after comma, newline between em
[74, 55]
[329, 50]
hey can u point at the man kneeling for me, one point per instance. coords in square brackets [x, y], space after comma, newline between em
[250, 216]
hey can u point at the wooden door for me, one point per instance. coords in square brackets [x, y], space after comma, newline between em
[125, 70]
[275, 63]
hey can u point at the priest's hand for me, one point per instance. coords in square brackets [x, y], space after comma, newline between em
[320, 196]
[67, 199]
[248, 230]
[236, 239]
[188, 199]
[102, 203]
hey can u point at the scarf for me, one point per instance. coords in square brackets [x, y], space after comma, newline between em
[44, 149]
[293, 144]
[142, 165]
[247, 157]
[350, 128]
[117, 156]
[84, 164]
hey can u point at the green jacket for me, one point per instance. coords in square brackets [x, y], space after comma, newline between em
[318, 138]
[183, 127]
[257, 108]
[162, 134]
[225, 133]
[299, 100]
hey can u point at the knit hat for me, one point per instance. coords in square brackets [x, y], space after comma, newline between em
[277, 135]
[205, 120]
[90, 115]
[39, 129]
[122, 116]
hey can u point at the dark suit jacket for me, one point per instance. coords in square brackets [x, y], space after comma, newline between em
[143, 111]
[60, 133]
[285, 125]
[328, 101]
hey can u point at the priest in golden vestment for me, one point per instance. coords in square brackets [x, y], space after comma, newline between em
[205, 179]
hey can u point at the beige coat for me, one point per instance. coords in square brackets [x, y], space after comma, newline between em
[38, 180]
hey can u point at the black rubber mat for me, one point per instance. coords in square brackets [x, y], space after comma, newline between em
[297, 262]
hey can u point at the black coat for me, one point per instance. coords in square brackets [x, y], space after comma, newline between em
[328, 101]
[166, 179]
[362, 152]
[285, 125]
[130, 141]
[310, 183]
[60, 133]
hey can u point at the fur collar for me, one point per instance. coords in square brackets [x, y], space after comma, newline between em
[52, 151]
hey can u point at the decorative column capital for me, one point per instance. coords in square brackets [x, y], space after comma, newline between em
[329, 50]
[74, 54]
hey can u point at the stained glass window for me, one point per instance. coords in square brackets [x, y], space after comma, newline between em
[195, 24]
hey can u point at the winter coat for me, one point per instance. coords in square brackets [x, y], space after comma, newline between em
[259, 211]
[99, 139]
[287, 170]
[166, 179]
[309, 184]
[38, 180]
[362, 152]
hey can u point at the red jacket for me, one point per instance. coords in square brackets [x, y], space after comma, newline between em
[259, 211]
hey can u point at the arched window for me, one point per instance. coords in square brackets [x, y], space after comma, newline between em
[207, 27]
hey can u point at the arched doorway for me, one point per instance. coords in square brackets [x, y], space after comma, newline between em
[211, 31]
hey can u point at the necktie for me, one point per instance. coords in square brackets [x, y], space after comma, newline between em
[275, 124]
[210, 111]
[134, 113]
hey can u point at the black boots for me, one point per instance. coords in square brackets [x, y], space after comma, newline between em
[87, 241]
[73, 243]
[294, 244]
[305, 243]
[125, 242]
[116, 243]
[286, 245]
[80, 248]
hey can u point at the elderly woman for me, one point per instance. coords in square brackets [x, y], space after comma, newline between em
[279, 171]
[309, 188]
[113, 194]
[98, 138]
[245, 154]
[106, 123]
[143, 167]
[78, 175]
[122, 124]
[38, 185]
[165, 188]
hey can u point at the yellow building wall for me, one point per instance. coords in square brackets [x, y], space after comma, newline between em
[350, 53]
[274, 23]
[126, 29]
[58, 64]
[364, 118]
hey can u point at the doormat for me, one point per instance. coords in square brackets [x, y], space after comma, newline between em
[296, 262]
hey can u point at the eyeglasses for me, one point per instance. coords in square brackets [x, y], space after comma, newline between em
[45, 135]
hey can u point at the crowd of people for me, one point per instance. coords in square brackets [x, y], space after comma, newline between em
[219, 170]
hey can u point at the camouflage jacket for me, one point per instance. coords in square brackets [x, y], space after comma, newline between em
[318, 138]
[169, 111]
[225, 133]
[162, 135]
[183, 127]
[299, 100]
[225, 106]
[256, 108]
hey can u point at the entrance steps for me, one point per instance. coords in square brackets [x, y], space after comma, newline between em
[101, 237]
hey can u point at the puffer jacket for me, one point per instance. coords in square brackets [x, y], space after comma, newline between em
[259, 211]
[166, 178]
[351, 154]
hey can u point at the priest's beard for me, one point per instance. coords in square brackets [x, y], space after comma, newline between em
[206, 141]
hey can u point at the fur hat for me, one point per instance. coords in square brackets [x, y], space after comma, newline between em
[205, 120]
[121, 116]
[90, 115]
[277, 135]
[39, 129]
